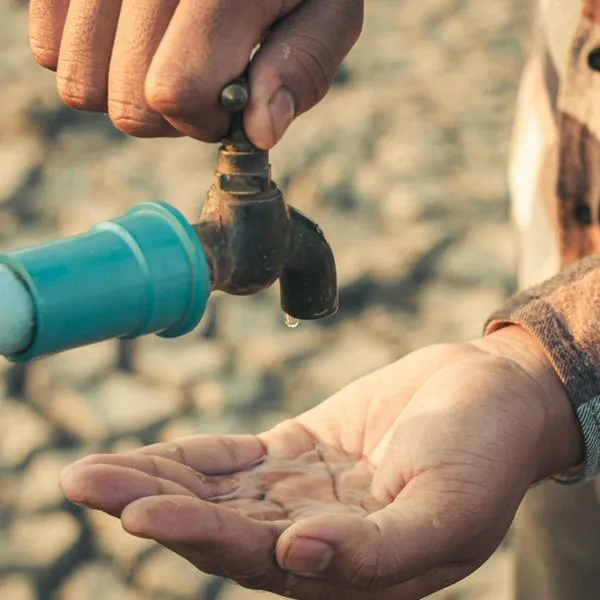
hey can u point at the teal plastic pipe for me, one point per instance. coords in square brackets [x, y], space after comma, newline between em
[146, 272]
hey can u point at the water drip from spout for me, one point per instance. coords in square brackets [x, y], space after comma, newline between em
[290, 321]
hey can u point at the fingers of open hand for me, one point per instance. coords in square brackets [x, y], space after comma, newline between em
[111, 488]
[111, 481]
[155, 466]
[220, 541]
[214, 538]
[406, 547]
[211, 454]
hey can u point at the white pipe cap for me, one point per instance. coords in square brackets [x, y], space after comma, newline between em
[16, 314]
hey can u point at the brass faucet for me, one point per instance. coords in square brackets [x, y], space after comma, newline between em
[253, 237]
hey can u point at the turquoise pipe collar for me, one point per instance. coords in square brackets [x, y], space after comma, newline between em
[146, 272]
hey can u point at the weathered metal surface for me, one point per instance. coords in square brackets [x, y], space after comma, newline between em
[253, 238]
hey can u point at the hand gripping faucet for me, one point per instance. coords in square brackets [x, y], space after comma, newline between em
[151, 271]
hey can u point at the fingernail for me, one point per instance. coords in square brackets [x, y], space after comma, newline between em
[283, 110]
[307, 556]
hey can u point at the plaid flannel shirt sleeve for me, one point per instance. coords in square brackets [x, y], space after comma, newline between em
[563, 315]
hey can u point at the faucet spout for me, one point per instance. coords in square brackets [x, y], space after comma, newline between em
[308, 282]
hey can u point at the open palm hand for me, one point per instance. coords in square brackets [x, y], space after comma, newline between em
[400, 484]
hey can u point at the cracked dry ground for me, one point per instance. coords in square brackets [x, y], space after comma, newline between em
[402, 165]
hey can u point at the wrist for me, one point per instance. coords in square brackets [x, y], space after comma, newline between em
[561, 441]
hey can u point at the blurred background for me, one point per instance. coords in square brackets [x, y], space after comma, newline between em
[403, 165]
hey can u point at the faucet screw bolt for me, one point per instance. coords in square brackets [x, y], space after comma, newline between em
[235, 96]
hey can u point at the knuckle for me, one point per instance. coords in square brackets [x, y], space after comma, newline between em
[175, 98]
[318, 65]
[134, 120]
[79, 95]
[43, 55]
[84, 100]
[131, 126]
[194, 110]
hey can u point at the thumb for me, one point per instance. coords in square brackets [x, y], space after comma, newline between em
[296, 64]
[395, 545]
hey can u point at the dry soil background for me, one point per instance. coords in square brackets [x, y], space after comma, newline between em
[403, 165]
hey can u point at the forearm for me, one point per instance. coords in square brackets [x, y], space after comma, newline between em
[563, 316]
[561, 443]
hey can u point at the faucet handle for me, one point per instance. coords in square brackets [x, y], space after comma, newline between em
[235, 98]
[236, 95]
[244, 169]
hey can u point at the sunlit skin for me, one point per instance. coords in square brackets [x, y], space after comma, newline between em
[398, 485]
[157, 67]
[411, 476]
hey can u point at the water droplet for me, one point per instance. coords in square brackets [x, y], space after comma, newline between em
[290, 321]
